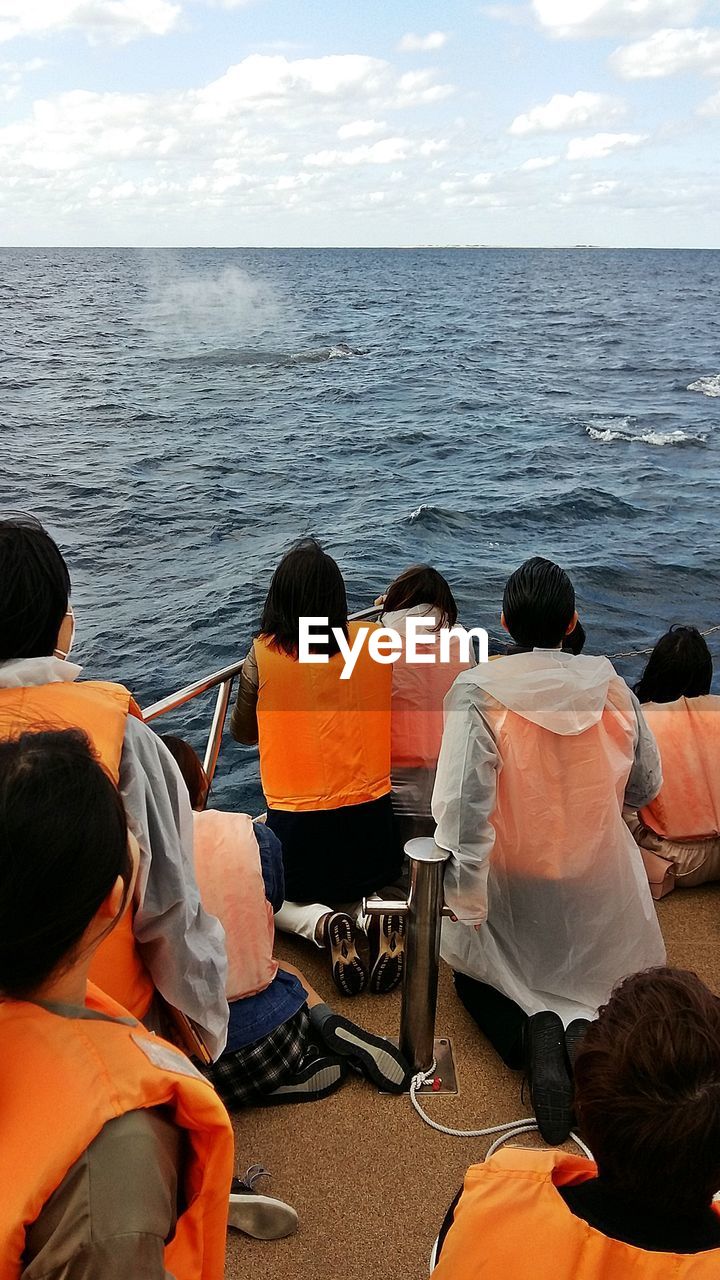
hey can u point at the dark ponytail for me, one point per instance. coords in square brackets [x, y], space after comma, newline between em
[63, 843]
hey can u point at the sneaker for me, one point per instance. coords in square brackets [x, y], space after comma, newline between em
[386, 936]
[551, 1089]
[574, 1036]
[259, 1216]
[341, 938]
[315, 1079]
[378, 1059]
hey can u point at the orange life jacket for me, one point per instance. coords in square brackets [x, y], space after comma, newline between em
[511, 1222]
[324, 742]
[229, 875]
[688, 737]
[101, 711]
[61, 1080]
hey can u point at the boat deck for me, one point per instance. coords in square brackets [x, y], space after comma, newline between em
[370, 1181]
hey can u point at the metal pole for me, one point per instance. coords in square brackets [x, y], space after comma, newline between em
[212, 751]
[422, 952]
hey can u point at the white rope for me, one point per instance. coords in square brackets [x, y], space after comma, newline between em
[512, 1129]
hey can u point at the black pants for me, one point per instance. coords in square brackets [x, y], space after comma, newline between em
[498, 1017]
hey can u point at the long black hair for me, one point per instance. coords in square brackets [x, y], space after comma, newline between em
[306, 584]
[421, 584]
[35, 586]
[63, 844]
[680, 666]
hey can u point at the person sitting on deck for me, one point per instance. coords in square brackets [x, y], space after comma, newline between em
[552, 904]
[647, 1084]
[284, 1043]
[418, 690]
[116, 1156]
[168, 944]
[682, 823]
[325, 769]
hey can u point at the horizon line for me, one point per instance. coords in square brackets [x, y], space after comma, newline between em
[456, 245]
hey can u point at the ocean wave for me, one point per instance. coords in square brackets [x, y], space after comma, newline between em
[623, 429]
[707, 386]
[437, 519]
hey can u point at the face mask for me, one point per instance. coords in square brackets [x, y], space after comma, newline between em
[58, 653]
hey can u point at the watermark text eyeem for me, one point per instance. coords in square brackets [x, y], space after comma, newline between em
[421, 643]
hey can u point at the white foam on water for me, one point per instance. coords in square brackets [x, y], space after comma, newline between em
[707, 386]
[608, 434]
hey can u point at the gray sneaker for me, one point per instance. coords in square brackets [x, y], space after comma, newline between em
[256, 1215]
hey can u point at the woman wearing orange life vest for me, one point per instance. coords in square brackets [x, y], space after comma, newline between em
[116, 1156]
[418, 690]
[682, 823]
[168, 943]
[325, 769]
[647, 1084]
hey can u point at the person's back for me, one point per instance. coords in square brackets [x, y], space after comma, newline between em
[324, 764]
[687, 732]
[549, 895]
[168, 943]
[647, 1078]
[682, 822]
[568, 909]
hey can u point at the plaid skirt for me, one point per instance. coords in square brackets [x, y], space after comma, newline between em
[244, 1075]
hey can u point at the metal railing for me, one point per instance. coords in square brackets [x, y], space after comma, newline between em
[221, 680]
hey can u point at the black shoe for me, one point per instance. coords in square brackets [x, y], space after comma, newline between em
[316, 1079]
[341, 939]
[574, 1036]
[262, 1217]
[551, 1089]
[378, 1059]
[386, 936]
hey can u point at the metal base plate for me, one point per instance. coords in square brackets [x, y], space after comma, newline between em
[445, 1071]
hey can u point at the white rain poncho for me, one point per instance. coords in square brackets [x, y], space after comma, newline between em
[540, 751]
[418, 692]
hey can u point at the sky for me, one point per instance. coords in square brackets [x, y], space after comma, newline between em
[379, 122]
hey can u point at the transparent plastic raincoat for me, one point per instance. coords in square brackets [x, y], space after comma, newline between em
[418, 692]
[540, 751]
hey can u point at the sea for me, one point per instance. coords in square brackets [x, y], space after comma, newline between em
[177, 418]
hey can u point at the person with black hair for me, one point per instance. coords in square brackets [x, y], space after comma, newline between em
[166, 943]
[285, 1044]
[325, 769]
[679, 831]
[647, 1081]
[418, 690]
[548, 891]
[111, 1144]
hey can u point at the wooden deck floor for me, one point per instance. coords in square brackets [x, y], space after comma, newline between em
[370, 1182]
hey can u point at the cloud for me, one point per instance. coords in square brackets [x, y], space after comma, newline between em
[118, 20]
[387, 151]
[569, 19]
[261, 137]
[568, 111]
[602, 144]
[537, 163]
[669, 52]
[411, 43]
[360, 128]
